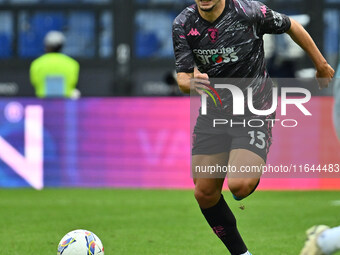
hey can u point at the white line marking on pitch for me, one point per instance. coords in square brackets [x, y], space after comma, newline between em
[335, 203]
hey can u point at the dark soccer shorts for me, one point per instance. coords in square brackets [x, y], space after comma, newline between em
[255, 139]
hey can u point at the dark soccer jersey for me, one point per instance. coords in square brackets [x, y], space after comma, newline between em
[231, 46]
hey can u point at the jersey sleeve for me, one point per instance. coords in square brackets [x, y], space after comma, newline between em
[183, 53]
[269, 21]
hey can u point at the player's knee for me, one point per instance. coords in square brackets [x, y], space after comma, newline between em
[207, 195]
[240, 188]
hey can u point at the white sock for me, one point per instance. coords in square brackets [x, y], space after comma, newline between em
[329, 240]
[247, 253]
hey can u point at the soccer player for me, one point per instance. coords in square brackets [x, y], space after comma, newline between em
[223, 39]
[322, 240]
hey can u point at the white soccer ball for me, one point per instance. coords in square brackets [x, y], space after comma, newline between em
[80, 242]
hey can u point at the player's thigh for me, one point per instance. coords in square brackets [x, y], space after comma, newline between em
[245, 164]
[208, 187]
[210, 155]
[247, 156]
[208, 163]
[248, 166]
[204, 177]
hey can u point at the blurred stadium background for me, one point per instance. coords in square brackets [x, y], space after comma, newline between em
[130, 129]
[126, 44]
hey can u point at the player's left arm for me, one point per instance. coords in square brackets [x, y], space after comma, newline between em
[323, 70]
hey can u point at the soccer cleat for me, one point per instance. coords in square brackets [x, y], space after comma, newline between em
[237, 198]
[311, 247]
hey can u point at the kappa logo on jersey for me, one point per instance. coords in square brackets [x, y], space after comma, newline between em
[224, 55]
[213, 34]
[193, 32]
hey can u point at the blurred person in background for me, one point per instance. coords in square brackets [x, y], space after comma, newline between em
[322, 240]
[55, 74]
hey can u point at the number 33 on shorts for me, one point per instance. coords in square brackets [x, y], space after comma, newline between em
[258, 139]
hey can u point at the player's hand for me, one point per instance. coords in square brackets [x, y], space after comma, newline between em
[200, 82]
[324, 75]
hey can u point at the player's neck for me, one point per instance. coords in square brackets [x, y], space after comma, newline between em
[213, 14]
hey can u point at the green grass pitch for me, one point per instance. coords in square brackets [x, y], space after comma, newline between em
[157, 222]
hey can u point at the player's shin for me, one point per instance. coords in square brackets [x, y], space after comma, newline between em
[223, 223]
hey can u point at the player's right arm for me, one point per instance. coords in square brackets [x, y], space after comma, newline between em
[185, 63]
[184, 81]
[188, 77]
[189, 81]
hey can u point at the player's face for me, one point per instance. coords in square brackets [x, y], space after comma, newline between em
[207, 5]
